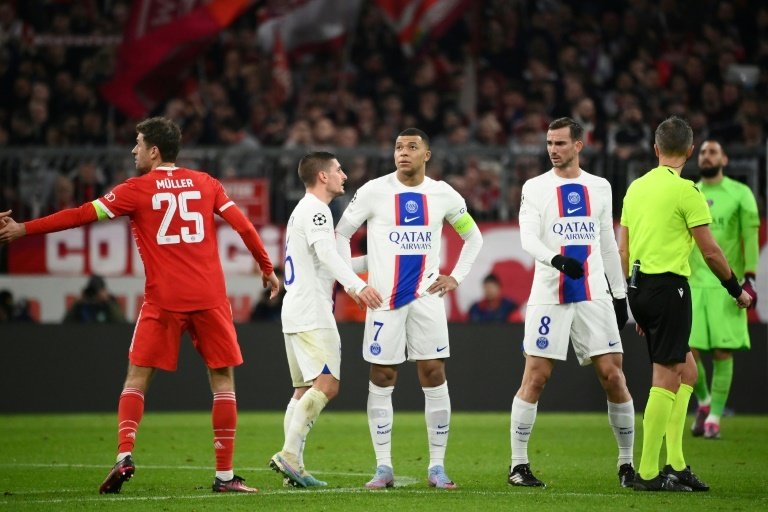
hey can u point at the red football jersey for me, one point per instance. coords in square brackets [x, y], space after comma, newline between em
[172, 218]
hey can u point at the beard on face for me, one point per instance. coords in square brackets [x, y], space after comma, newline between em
[709, 172]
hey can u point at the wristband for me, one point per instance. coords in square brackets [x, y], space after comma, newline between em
[732, 285]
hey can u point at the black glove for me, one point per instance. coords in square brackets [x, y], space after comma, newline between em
[749, 286]
[620, 307]
[568, 266]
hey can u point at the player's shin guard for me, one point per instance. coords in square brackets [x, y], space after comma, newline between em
[130, 410]
[675, 427]
[304, 416]
[224, 419]
[622, 420]
[722, 376]
[380, 419]
[657, 412]
[437, 412]
[523, 418]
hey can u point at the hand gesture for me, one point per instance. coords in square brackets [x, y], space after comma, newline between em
[443, 285]
[620, 307]
[568, 266]
[749, 287]
[271, 279]
[368, 296]
[10, 230]
[744, 300]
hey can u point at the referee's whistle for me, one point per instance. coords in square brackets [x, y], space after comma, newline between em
[633, 275]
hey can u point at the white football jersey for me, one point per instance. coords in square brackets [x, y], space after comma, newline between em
[308, 301]
[405, 226]
[574, 218]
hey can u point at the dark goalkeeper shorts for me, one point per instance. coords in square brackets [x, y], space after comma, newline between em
[661, 305]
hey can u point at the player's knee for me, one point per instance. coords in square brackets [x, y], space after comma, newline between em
[383, 376]
[331, 391]
[431, 375]
[535, 382]
[614, 379]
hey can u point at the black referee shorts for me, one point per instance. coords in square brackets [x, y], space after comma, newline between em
[661, 305]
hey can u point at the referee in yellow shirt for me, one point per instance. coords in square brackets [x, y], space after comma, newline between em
[663, 215]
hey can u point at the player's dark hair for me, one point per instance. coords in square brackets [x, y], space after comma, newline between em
[162, 133]
[674, 136]
[416, 132]
[311, 164]
[575, 129]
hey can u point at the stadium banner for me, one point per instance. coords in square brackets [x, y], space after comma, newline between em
[48, 270]
[251, 195]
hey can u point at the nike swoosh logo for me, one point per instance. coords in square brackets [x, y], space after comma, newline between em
[442, 426]
[410, 219]
[382, 444]
[613, 343]
[440, 349]
[571, 210]
[382, 426]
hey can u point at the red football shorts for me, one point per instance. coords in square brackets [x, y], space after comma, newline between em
[157, 337]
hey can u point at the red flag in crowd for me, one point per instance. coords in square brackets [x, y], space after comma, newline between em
[416, 20]
[282, 83]
[160, 44]
[309, 25]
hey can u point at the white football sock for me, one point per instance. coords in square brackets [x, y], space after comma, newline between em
[380, 419]
[287, 425]
[437, 412]
[621, 417]
[523, 418]
[305, 414]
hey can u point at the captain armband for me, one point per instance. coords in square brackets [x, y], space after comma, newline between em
[101, 213]
[464, 225]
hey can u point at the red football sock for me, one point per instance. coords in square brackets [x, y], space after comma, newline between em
[224, 417]
[130, 409]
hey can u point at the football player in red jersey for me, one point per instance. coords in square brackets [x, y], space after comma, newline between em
[171, 210]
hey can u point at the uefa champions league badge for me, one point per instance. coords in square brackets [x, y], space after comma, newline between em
[542, 343]
[375, 348]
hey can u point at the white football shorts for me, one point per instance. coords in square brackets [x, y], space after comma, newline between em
[590, 325]
[311, 353]
[416, 331]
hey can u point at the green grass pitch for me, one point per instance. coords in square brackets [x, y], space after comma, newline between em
[56, 462]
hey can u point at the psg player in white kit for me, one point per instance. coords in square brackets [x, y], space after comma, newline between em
[404, 212]
[312, 344]
[578, 293]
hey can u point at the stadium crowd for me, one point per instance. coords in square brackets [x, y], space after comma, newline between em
[494, 79]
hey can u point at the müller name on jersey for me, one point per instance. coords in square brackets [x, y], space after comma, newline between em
[174, 183]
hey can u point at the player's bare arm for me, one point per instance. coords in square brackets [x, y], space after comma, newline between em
[715, 260]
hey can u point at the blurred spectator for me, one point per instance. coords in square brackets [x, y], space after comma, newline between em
[95, 305]
[63, 196]
[88, 182]
[496, 77]
[493, 307]
[12, 310]
[268, 310]
[630, 134]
